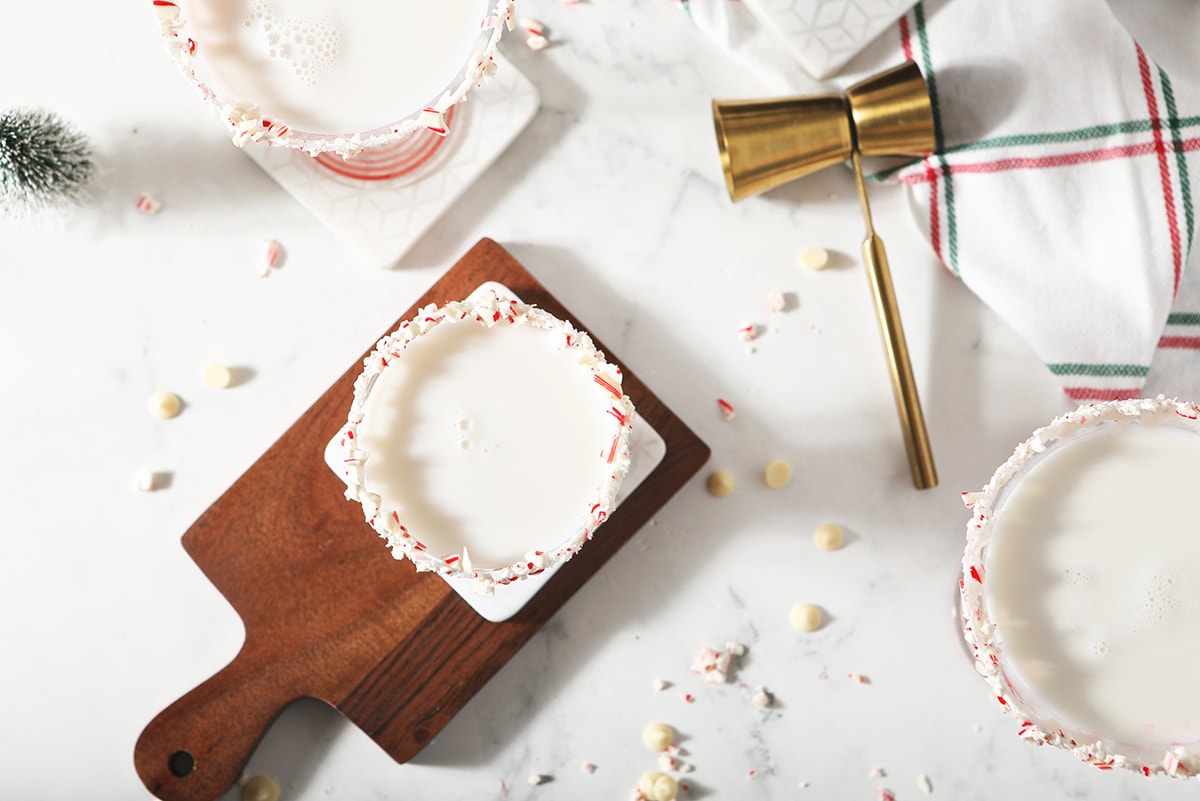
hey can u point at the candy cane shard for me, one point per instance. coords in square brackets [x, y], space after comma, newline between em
[434, 121]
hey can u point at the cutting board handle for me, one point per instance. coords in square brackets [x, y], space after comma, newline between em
[195, 749]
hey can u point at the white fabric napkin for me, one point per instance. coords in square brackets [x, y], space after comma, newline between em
[1064, 187]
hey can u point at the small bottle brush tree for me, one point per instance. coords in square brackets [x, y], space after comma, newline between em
[45, 162]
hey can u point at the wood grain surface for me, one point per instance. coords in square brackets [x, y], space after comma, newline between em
[330, 614]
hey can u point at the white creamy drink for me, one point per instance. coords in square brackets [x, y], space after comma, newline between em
[491, 441]
[334, 66]
[1082, 585]
[333, 76]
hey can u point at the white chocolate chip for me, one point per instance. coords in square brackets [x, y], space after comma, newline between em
[658, 736]
[777, 474]
[828, 536]
[805, 617]
[260, 788]
[813, 258]
[217, 376]
[655, 786]
[164, 405]
[720, 484]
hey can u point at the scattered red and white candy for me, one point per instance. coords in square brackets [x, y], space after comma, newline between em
[536, 40]
[661, 684]
[776, 301]
[716, 666]
[147, 204]
[537, 778]
[145, 480]
[925, 783]
[726, 409]
[886, 794]
[588, 767]
[747, 332]
[762, 698]
[434, 120]
[858, 678]
[271, 253]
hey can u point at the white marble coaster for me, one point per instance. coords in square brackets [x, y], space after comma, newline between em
[647, 448]
[824, 34]
[381, 220]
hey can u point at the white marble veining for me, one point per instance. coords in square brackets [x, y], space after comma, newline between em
[613, 199]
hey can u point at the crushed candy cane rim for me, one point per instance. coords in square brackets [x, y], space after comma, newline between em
[979, 630]
[490, 311]
[247, 124]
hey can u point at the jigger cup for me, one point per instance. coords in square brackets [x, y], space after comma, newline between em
[766, 143]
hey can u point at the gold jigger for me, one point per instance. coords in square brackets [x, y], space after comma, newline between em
[765, 143]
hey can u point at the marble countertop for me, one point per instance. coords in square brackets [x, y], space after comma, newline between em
[613, 198]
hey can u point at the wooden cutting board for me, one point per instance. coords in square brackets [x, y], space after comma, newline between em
[330, 614]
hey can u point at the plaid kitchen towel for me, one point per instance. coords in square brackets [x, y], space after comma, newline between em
[1063, 189]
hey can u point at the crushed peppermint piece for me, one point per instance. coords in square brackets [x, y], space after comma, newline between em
[536, 42]
[145, 480]
[688, 698]
[886, 794]
[668, 762]
[776, 301]
[747, 332]
[271, 251]
[750, 774]
[588, 767]
[716, 666]
[727, 410]
[538, 778]
[878, 772]
[924, 783]
[147, 204]
[661, 684]
[858, 678]
[434, 121]
[762, 698]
